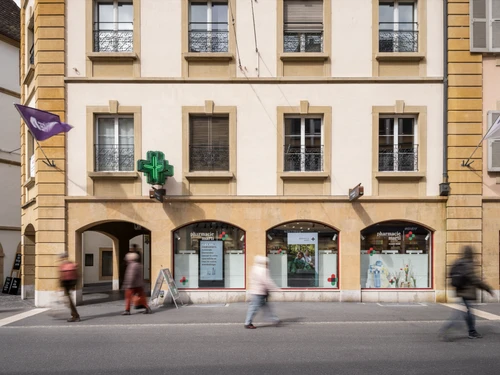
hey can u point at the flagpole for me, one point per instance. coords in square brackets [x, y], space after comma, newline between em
[467, 163]
[49, 163]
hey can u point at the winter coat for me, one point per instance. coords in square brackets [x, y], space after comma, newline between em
[133, 276]
[260, 278]
[469, 291]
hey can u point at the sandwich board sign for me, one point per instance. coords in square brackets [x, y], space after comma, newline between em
[165, 276]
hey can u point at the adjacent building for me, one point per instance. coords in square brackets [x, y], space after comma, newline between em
[10, 163]
[320, 133]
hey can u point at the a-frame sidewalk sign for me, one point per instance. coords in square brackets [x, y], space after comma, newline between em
[166, 276]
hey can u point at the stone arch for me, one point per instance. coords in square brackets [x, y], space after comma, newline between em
[28, 269]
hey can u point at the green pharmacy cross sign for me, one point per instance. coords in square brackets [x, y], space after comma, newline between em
[156, 168]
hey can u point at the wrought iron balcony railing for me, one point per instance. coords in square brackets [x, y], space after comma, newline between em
[32, 55]
[117, 158]
[303, 37]
[208, 37]
[398, 37]
[208, 158]
[398, 158]
[303, 159]
[113, 37]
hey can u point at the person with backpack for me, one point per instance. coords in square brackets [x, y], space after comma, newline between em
[68, 276]
[466, 282]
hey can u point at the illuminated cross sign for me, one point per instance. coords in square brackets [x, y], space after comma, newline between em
[156, 168]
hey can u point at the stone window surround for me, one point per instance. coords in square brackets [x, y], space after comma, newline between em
[305, 56]
[209, 57]
[304, 109]
[112, 56]
[209, 109]
[420, 56]
[400, 108]
[113, 109]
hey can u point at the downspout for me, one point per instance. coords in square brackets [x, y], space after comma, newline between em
[444, 187]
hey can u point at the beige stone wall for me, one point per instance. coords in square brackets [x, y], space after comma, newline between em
[256, 216]
[490, 259]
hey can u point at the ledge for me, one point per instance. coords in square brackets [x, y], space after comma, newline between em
[304, 56]
[29, 183]
[29, 203]
[399, 175]
[209, 175]
[400, 56]
[208, 56]
[113, 175]
[107, 56]
[29, 76]
[303, 175]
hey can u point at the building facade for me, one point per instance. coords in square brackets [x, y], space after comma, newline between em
[10, 164]
[270, 114]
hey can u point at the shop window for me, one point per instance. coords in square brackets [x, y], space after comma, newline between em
[209, 255]
[303, 255]
[396, 254]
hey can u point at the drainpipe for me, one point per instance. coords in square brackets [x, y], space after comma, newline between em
[444, 187]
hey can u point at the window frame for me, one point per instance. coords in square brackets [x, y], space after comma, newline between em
[488, 20]
[396, 135]
[303, 34]
[116, 127]
[115, 22]
[209, 23]
[303, 119]
[396, 22]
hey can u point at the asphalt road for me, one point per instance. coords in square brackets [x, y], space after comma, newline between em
[297, 347]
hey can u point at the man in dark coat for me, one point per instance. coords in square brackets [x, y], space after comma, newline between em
[468, 293]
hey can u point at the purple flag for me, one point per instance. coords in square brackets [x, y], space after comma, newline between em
[42, 124]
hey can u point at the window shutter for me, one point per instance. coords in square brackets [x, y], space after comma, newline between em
[220, 131]
[479, 25]
[493, 145]
[495, 25]
[198, 131]
[303, 15]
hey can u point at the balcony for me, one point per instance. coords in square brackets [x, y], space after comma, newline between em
[400, 158]
[113, 37]
[303, 158]
[398, 37]
[303, 37]
[208, 37]
[208, 158]
[114, 158]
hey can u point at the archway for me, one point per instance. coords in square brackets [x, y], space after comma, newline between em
[396, 254]
[28, 269]
[102, 247]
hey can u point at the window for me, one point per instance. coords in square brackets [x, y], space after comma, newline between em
[303, 255]
[397, 144]
[396, 254]
[209, 255]
[303, 26]
[208, 143]
[113, 26]
[398, 27]
[493, 144]
[114, 144]
[485, 25]
[303, 150]
[208, 26]
[30, 154]
[89, 260]
[31, 41]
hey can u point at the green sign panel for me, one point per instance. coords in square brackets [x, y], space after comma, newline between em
[155, 168]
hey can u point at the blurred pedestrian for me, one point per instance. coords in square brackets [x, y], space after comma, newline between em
[466, 282]
[133, 283]
[260, 286]
[68, 277]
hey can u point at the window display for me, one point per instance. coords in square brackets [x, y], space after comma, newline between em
[209, 255]
[396, 254]
[303, 255]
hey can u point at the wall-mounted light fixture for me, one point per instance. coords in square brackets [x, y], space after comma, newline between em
[177, 237]
[427, 237]
[334, 238]
[242, 237]
[269, 236]
[362, 238]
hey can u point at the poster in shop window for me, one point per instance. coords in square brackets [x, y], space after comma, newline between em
[211, 261]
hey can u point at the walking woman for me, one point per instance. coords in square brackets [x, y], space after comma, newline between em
[134, 283]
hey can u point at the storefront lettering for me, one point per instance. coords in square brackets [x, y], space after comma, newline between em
[203, 235]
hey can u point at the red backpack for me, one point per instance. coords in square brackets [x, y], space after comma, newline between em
[68, 271]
